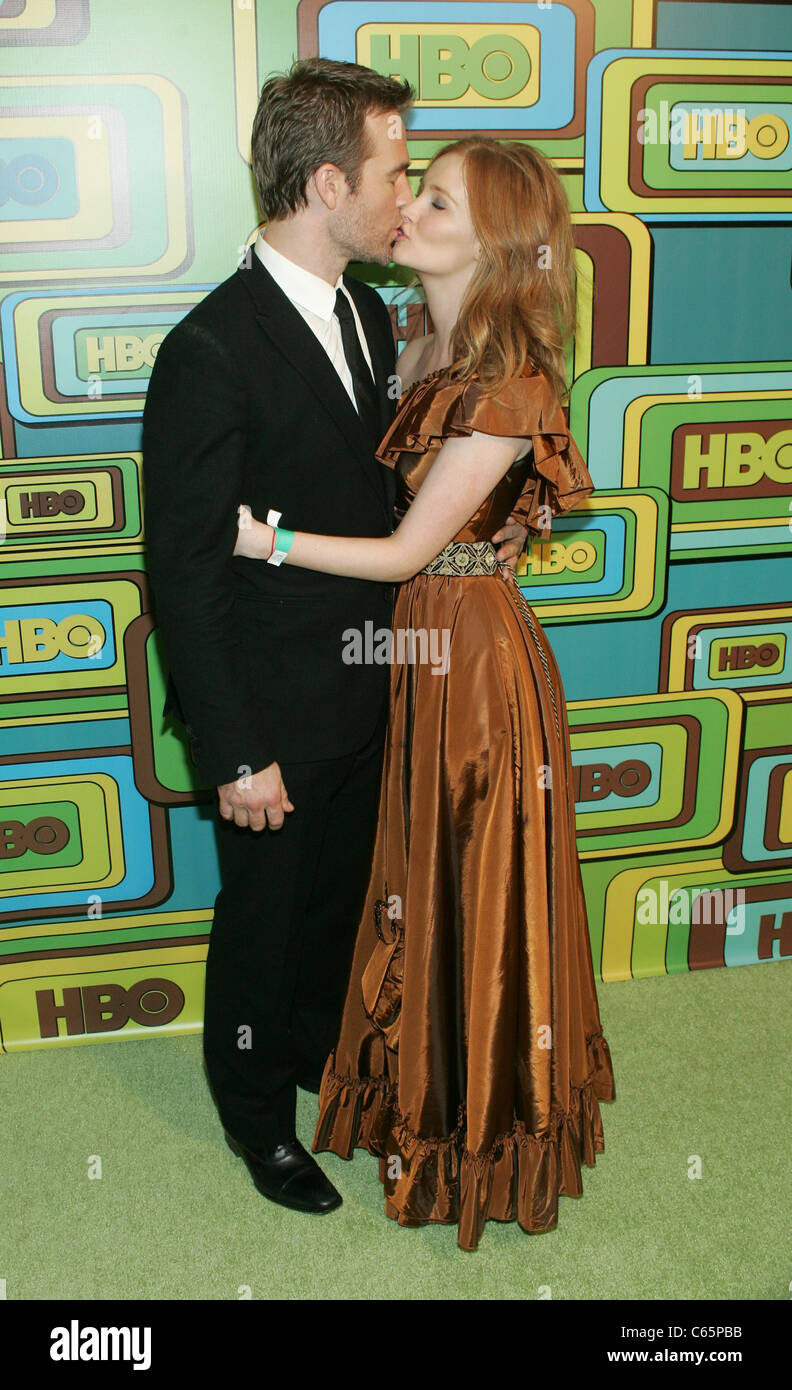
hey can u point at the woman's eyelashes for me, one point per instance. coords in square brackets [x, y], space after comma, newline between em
[441, 207]
[423, 189]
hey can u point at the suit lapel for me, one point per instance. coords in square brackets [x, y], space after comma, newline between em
[290, 335]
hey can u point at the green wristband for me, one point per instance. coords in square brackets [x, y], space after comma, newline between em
[283, 541]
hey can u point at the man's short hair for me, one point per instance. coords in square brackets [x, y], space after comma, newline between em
[316, 114]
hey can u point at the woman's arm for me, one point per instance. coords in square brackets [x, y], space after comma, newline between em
[510, 539]
[462, 476]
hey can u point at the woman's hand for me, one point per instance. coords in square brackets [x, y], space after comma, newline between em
[254, 538]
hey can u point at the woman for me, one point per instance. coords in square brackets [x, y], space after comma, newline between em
[471, 1057]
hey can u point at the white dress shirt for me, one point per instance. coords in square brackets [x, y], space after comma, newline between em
[315, 300]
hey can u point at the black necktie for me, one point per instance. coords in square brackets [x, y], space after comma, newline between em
[362, 381]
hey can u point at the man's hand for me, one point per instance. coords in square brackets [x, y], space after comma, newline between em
[256, 801]
[512, 534]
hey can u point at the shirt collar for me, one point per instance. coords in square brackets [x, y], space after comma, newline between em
[300, 285]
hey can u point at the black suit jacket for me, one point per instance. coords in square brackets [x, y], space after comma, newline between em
[244, 405]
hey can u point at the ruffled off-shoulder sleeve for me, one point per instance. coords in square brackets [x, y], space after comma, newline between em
[441, 409]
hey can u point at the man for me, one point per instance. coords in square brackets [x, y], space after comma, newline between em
[274, 392]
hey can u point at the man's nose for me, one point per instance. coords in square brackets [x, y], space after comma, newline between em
[405, 193]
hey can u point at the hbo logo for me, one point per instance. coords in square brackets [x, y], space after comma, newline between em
[44, 835]
[106, 1008]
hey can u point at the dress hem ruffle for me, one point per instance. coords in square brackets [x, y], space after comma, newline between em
[440, 1181]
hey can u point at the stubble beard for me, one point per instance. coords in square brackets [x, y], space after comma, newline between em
[366, 252]
[358, 244]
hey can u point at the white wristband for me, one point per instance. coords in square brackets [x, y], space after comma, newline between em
[278, 556]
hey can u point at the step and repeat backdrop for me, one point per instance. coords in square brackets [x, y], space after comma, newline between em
[126, 195]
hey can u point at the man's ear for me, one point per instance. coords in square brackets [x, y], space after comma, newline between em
[328, 182]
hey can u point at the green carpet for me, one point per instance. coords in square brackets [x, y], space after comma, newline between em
[702, 1066]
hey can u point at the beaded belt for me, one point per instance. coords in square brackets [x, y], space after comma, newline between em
[464, 558]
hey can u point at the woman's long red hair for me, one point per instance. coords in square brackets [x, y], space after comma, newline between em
[521, 303]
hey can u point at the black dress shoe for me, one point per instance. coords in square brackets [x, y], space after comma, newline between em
[290, 1176]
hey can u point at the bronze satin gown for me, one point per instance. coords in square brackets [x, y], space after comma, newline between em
[471, 1057]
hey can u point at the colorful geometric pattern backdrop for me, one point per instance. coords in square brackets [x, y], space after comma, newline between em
[126, 195]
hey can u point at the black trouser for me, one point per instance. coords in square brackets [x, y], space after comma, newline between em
[283, 934]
